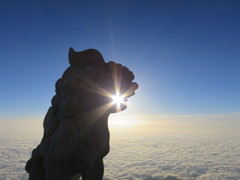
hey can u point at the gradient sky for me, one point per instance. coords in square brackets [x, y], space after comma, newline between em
[184, 54]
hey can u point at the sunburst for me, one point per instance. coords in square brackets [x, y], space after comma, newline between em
[117, 99]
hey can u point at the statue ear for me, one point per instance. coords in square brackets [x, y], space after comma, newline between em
[72, 56]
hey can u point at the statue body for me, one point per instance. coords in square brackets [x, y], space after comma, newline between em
[76, 135]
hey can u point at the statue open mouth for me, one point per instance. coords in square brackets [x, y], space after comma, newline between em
[118, 99]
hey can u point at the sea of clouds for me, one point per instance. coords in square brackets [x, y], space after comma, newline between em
[137, 155]
[184, 156]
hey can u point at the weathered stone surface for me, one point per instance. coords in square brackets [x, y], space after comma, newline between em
[76, 135]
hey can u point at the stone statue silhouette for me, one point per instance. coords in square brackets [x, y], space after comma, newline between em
[76, 134]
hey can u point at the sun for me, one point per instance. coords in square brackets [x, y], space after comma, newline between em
[117, 99]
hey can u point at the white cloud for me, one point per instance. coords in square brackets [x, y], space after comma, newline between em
[202, 123]
[13, 155]
[144, 156]
[168, 154]
[234, 116]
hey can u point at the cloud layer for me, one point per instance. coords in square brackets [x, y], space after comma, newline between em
[185, 156]
[145, 156]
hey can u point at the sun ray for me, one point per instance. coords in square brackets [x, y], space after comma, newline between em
[117, 98]
[130, 90]
[91, 85]
[117, 77]
[86, 120]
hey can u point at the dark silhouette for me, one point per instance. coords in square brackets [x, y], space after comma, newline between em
[76, 135]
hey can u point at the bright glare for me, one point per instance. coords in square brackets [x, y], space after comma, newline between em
[122, 123]
[117, 99]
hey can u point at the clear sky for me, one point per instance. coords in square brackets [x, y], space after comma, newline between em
[185, 54]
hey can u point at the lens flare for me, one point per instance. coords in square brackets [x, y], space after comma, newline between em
[117, 99]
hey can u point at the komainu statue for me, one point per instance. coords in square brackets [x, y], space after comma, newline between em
[76, 134]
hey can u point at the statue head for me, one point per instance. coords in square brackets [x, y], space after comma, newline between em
[90, 83]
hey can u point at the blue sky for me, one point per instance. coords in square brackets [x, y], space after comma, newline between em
[185, 54]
